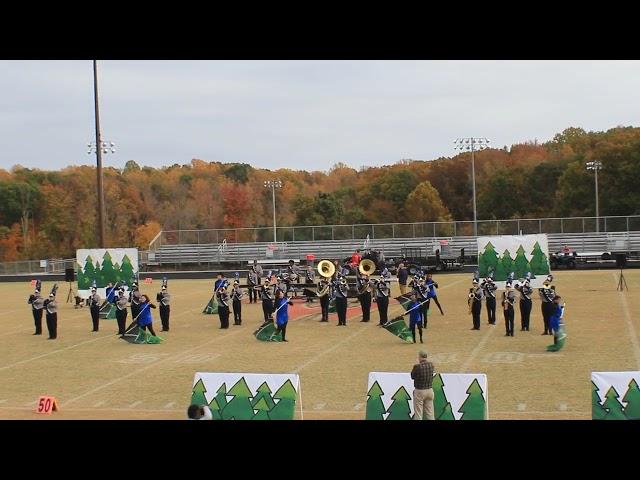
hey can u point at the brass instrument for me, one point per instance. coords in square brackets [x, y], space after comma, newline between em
[324, 291]
[326, 268]
[367, 267]
[471, 300]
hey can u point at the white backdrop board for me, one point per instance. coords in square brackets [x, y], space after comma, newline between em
[517, 254]
[615, 396]
[457, 396]
[104, 265]
[248, 396]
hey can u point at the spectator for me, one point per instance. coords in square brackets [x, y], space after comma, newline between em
[422, 375]
[199, 412]
[403, 276]
[356, 258]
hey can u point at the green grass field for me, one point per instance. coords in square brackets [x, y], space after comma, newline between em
[99, 376]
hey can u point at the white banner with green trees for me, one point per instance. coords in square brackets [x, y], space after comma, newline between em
[248, 396]
[502, 255]
[104, 265]
[457, 396]
[615, 396]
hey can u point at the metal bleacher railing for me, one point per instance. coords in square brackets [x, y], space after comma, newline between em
[336, 241]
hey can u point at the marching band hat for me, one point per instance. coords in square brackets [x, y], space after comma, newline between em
[550, 278]
[164, 287]
[475, 280]
[236, 282]
[51, 294]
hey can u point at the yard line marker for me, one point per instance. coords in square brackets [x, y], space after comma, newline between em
[99, 404]
[135, 404]
[170, 404]
[521, 407]
[319, 406]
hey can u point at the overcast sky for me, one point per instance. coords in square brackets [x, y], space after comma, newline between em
[300, 114]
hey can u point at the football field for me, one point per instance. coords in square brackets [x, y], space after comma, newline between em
[99, 376]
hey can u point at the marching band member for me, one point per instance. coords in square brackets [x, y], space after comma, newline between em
[556, 318]
[145, 319]
[253, 280]
[164, 300]
[432, 285]
[121, 311]
[94, 307]
[341, 291]
[325, 293]
[310, 278]
[223, 305]
[525, 304]
[546, 296]
[489, 289]
[236, 299]
[475, 303]
[134, 298]
[364, 295]
[382, 298]
[422, 294]
[415, 317]
[282, 314]
[266, 295]
[52, 314]
[37, 305]
[508, 300]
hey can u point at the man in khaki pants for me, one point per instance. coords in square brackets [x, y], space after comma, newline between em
[422, 375]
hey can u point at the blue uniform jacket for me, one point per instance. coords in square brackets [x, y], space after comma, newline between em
[555, 318]
[282, 316]
[415, 315]
[145, 317]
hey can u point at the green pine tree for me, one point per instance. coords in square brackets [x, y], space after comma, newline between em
[87, 274]
[262, 410]
[528, 269]
[126, 271]
[520, 263]
[285, 408]
[447, 414]
[400, 409]
[215, 409]
[108, 272]
[507, 263]
[474, 407]
[488, 260]
[539, 261]
[597, 412]
[439, 397]
[116, 269]
[263, 393]
[221, 397]
[632, 399]
[375, 406]
[613, 406]
[500, 273]
[98, 275]
[239, 407]
[197, 395]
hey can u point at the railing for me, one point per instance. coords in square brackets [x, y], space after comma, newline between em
[398, 230]
[25, 267]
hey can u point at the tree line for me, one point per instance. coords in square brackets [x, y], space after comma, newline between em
[47, 214]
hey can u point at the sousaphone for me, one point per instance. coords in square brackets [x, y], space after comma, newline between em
[367, 267]
[326, 268]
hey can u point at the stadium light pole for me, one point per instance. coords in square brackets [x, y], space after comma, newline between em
[273, 184]
[595, 166]
[472, 144]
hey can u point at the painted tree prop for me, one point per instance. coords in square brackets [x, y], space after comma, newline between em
[86, 274]
[441, 406]
[399, 408]
[126, 271]
[267, 333]
[107, 272]
[520, 263]
[475, 406]
[221, 398]
[507, 264]
[262, 410]
[212, 307]
[263, 394]
[285, 408]
[632, 399]
[488, 260]
[375, 406]
[597, 411]
[239, 408]
[539, 261]
[399, 328]
[215, 409]
[613, 406]
[198, 394]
